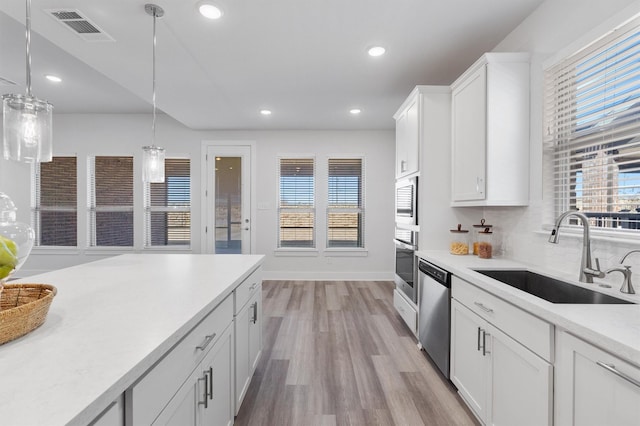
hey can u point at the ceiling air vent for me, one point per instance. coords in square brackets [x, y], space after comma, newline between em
[81, 26]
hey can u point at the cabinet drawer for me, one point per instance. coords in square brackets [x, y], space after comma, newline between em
[406, 311]
[244, 291]
[529, 330]
[157, 387]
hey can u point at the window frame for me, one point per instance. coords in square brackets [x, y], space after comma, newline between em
[361, 210]
[602, 37]
[147, 208]
[91, 208]
[299, 251]
[36, 207]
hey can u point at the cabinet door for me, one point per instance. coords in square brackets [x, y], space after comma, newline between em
[255, 331]
[218, 365]
[469, 367]
[241, 325]
[594, 387]
[182, 409]
[408, 140]
[469, 138]
[521, 383]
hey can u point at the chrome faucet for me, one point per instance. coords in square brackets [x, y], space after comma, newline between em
[627, 286]
[586, 268]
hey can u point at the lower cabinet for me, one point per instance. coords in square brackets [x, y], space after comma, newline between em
[594, 387]
[248, 343]
[205, 397]
[503, 382]
[407, 312]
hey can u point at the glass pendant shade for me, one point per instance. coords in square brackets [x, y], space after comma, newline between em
[27, 128]
[152, 164]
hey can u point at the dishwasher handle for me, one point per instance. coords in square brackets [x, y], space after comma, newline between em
[439, 275]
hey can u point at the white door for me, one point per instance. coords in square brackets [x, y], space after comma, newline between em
[228, 200]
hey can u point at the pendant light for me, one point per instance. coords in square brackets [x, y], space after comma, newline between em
[27, 120]
[153, 156]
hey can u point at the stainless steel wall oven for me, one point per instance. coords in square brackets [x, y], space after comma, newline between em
[406, 242]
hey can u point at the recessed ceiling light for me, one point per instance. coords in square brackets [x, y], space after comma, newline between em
[53, 78]
[355, 111]
[376, 51]
[265, 112]
[209, 10]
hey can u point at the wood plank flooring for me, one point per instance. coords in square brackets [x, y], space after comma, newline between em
[337, 353]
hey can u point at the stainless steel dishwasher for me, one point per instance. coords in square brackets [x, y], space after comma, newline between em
[434, 313]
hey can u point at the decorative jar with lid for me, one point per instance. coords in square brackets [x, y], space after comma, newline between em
[459, 243]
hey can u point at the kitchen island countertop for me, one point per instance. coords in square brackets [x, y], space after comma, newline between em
[615, 328]
[109, 323]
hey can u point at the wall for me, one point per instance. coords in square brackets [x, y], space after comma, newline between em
[555, 29]
[88, 134]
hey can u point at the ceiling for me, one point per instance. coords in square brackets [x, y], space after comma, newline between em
[305, 60]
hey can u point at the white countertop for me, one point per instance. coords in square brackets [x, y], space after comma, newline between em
[615, 328]
[110, 321]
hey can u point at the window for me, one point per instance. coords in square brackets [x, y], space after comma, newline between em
[110, 201]
[296, 206]
[592, 121]
[55, 201]
[345, 212]
[167, 206]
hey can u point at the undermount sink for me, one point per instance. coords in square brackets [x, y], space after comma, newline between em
[550, 289]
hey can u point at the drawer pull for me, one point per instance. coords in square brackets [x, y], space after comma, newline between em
[207, 339]
[612, 369]
[255, 312]
[484, 308]
[253, 286]
[211, 383]
[206, 393]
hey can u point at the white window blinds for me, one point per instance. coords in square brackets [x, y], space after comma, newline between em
[168, 206]
[54, 203]
[110, 193]
[345, 211]
[296, 207]
[592, 130]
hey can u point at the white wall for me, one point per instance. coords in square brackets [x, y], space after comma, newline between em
[556, 28]
[88, 134]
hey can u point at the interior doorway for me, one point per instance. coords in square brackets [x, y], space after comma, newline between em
[229, 214]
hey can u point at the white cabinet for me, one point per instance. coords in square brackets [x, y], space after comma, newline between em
[205, 397]
[407, 136]
[113, 415]
[248, 343]
[490, 132]
[594, 387]
[502, 381]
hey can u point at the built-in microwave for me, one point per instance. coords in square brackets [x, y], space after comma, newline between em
[407, 201]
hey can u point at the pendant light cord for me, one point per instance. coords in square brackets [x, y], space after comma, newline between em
[28, 59]
[153, 124]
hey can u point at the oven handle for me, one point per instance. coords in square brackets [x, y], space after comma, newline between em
[404, 245]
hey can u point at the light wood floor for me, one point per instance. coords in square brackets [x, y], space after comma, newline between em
[336, 353]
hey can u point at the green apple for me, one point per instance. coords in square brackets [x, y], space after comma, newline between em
[8, 252]
[5, 271]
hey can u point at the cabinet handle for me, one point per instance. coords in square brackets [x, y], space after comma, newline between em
[253, 286]
[484, 343]
[484, 308]
[612, 368]
[210, 383]
[206, 394]
[207, 339]
[255, 312]
[479, 331]
[403, 165]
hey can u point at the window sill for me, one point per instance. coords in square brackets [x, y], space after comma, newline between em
[346, 252]
[111, 251]
[168, 249]
[620, 237]
[68, 251]
[284, 252]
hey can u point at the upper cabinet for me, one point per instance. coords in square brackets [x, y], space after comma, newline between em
[408, 136]
[490, 132]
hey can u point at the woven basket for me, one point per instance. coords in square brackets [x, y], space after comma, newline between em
[23, 308]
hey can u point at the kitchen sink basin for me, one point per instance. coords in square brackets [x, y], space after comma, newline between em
[550, 289]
